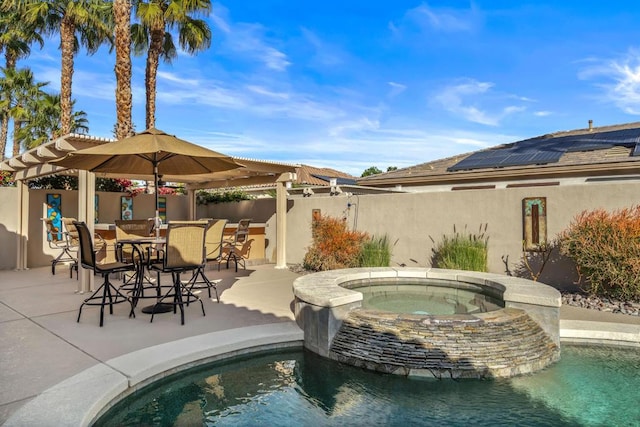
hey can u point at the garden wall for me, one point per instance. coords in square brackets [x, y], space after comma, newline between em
[409, 219]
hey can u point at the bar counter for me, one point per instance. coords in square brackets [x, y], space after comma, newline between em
[256, 232]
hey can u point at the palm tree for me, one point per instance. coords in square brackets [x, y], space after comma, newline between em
[18, 90]
[15, 41]
[87, 19]
[122, 36]
[16, 37]
[43, 121]
[153, 35]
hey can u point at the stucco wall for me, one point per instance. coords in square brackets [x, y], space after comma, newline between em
[38, 251]
[410, 219]
[8, 227]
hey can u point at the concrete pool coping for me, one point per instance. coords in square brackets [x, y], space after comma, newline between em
[82, 398]
[602, 333]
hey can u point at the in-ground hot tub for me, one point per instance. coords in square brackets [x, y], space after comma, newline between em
[519, 335]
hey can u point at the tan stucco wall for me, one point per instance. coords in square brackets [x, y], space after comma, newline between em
[38, 251]
[9, 212]
[409, 219]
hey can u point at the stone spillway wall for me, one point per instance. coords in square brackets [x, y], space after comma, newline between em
[520, 338]
[500, 343]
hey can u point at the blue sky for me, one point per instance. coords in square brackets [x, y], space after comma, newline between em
[353, 84]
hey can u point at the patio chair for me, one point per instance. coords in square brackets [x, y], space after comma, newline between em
[98, 241]
[213, 253]
[237, 249]
[183, 252]
[60, 240]
[106, 294]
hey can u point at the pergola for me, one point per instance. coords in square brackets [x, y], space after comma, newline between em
[37, 162]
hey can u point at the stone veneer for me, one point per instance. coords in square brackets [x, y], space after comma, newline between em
[521, 338]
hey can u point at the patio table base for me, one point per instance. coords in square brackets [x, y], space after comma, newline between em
[157, 308]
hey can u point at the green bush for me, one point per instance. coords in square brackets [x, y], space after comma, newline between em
[462, 251]
[606, 249]
[375, 252]
[204, 197]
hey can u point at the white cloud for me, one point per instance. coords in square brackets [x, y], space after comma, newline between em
[618, 80]
[445, 20]
[464, 98]
[175, 78]
[542, 113]
[261, 90]
[248, 40]
[353, 126]
[325, 55]
[396, 88]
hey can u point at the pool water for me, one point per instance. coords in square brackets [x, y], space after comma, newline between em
[425, 299]
[590, 386]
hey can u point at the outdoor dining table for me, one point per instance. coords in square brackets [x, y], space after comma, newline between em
[155, 244]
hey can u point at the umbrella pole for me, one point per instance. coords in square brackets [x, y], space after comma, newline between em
[155, 183]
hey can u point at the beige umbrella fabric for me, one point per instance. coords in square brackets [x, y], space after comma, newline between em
[151, 152]
[147, 153]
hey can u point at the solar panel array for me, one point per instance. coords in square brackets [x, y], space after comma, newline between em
[549, 150]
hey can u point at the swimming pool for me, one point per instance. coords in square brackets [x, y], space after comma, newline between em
[590, 386]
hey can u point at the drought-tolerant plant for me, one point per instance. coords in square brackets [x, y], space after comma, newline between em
[606, 249]
[334, 245]
[534, 261]
[375, 252]
[462, 250]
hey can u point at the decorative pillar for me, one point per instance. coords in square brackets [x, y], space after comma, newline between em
[191, 197]
[23, 225]
[86, 213]
[281, 219]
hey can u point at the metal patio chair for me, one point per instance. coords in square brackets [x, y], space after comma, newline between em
[183, 252]
[60, 240]
[107, 293]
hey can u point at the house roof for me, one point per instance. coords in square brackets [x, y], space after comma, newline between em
[606, 150]
[309, 175]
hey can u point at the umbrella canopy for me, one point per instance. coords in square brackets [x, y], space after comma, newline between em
[151, 152]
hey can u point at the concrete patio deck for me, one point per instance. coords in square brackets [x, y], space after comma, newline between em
[43, 345]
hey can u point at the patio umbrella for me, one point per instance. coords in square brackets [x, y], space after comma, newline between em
[151, 152]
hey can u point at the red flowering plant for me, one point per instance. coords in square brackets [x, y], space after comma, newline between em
[6, 179]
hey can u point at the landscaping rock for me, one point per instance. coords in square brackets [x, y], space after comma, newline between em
[602, 304]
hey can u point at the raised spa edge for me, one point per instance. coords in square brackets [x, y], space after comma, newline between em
[520, 338]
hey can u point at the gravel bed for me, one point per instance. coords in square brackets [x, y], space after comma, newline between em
[601, 304]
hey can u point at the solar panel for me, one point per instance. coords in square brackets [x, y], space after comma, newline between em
[549, 149]
[481, 159]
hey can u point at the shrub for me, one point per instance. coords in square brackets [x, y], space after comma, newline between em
[462, 251]
[606, 249]
[7, 179]
[204, 197]
[375, 252]
[334, 246]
